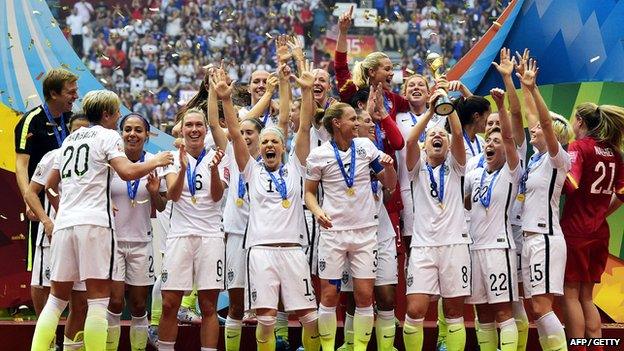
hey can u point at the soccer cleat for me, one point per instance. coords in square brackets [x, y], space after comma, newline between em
[152, 336]
[188, 316]
[281, 344]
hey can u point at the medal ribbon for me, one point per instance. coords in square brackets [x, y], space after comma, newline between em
[485, 200]
[133, 185]
[434, 186]
[421, 138]
[190, 175]
[467, 139]
[59, 137]
[280, 184]
[349, 178]
[536, 158]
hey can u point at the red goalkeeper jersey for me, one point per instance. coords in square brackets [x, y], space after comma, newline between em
[597, 172]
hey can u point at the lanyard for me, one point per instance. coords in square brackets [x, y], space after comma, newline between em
[190, 175]
[387, 103]
[133, 185]
[467, 139]
[485, 200]
[63, 134]
[435, 191]
[378, 137]
[241, 182]
[349, 178]
[266, 117]
[421, 138]
[280, 184]
[481, 161]
[536, 158]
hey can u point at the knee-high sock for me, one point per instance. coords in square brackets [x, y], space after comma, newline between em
[233, 328]
[413, 334]
[385, 330]
[166, 345]
[522, 323]
[442, 325]
[190, 301]
[327, 326]
[281, 325]
[265, 336]
[348, 332]
[71, 345]
[138, 332]
[508, 335]
[310, 335]
[551, 333]
[96, 325]
[156, 302]
[114, 330]
[456, 337]
[363, 321]
[45, 330]
[487, 336]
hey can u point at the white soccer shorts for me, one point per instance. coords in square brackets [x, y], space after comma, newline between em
[407, 213]
[337, 248]
[518, 238]
[385, 262]
[134, 263]
[493, 276]
[313, 232]
[275, 272]
[235, 265]
[439, 270]
[194, 261]
[543, 264]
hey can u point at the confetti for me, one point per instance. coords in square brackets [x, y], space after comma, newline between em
[103, 81]
[80, 69]
[10, 47]
[26, 103]
[64, 65]
[116, 68]
[151, 92]
[53, 23]
[31, 96]
[32, 42]
[104, 57]
[461, 21]
[48, 43]
[268, 35]
[141, 202]
[2, 216]
[154, 9]
[496, 24]
[21, 216]
[39, 76]
[10, 36]
[398, 15]
[594, 59]
[175, 54]
[229, 20]
[35, 12]
[409, 71]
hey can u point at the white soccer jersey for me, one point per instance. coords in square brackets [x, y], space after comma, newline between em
[516, 206]
[202, 218]
[347, 212]
[317, 138]
[540, 212]
[133, 222]
[473, 147]
[437, 224]
[491, 228]
[406, 121]
[385, 229]
[42, 172]
[269, 221]
[266, 117]
[236, 212]
[85, 177]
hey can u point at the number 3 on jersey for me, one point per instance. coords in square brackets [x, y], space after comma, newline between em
[80, 158]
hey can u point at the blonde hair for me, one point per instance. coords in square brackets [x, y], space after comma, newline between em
[275, 130]
[562, 128]
[604, 122]
[334, 111]
[55, 80]
[408, 79]
[360, 69]
[96, 102]
[194, 110]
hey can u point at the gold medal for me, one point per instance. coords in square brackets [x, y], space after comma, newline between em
[285, 203]
[520, 197]
[193, 199]
[239, 202]
[441, 205]
[350, 191]
[133, 203]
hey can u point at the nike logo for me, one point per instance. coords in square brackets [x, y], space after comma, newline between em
[231, 336]
[534, 285]
[311, 299]
[464, 286]
[219, 280]
[454, 331]
[507, 343]
[314, 337]
[50, 134]
[388, 336]
[367, 334]
[406, 333]
[498, 294]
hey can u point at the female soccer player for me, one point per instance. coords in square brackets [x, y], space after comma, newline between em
[594, 189]
[440, 230]
[276, 263]
[343, 165]
[83, 242]
[490, 190]
[473, 112]
[134, 257]
[544, 250]
[195, 248]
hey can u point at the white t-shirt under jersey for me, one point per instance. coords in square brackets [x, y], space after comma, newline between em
[436, 225]
[347, 212]
[133, 224]
[540, 211]
[406, 121]
[204, 217]
[85, 177]
[269, 221]
[491, 228]
[42, 172]
[235, 218]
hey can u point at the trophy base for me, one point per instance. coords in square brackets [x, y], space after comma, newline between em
[444, 108]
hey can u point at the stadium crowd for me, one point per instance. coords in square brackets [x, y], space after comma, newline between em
[151, 52]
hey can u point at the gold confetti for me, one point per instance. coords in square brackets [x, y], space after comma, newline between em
[80, 69]
[271, 14]
[21, 216]
[268, 35]
[53, 22]
[104, 57]
[154, 9]
[496, 24]
[397, 14]
[2, 216]
[594, 59]
[35, 12]
[31, 96]
[141, 202]
[409, 71]
[103, 81]
[32, 42]
[461, 21]
[48, 43]
[10, 36]
[39, 76]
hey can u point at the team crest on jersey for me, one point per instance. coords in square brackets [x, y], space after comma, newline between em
[39, 171]
[410, 280]
[254, 295]
[345, 277]
[447, 170]
[360, 151]
[321, 264]
[230, 275]
[284, 172]
[47, 273]
[164, 275]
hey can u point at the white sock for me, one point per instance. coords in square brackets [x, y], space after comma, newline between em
[166, 345]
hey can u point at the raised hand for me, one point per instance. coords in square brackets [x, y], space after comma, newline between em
[498, 95]
[306, 78]
[507, 63]
[523, 59]
[530, 74]
[283, 71]
[218, 157]
[386, 160]
[296, 47]
[272, 83]
[435, 96]
[323, 219]
[283, 49]
[344, 21]
[153, 183]
[183, 159]
[222, 83]
[164, 158]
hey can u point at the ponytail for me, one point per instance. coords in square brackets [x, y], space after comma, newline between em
[605, 122]
[467, 107]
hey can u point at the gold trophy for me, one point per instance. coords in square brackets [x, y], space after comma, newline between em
[443, 106]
